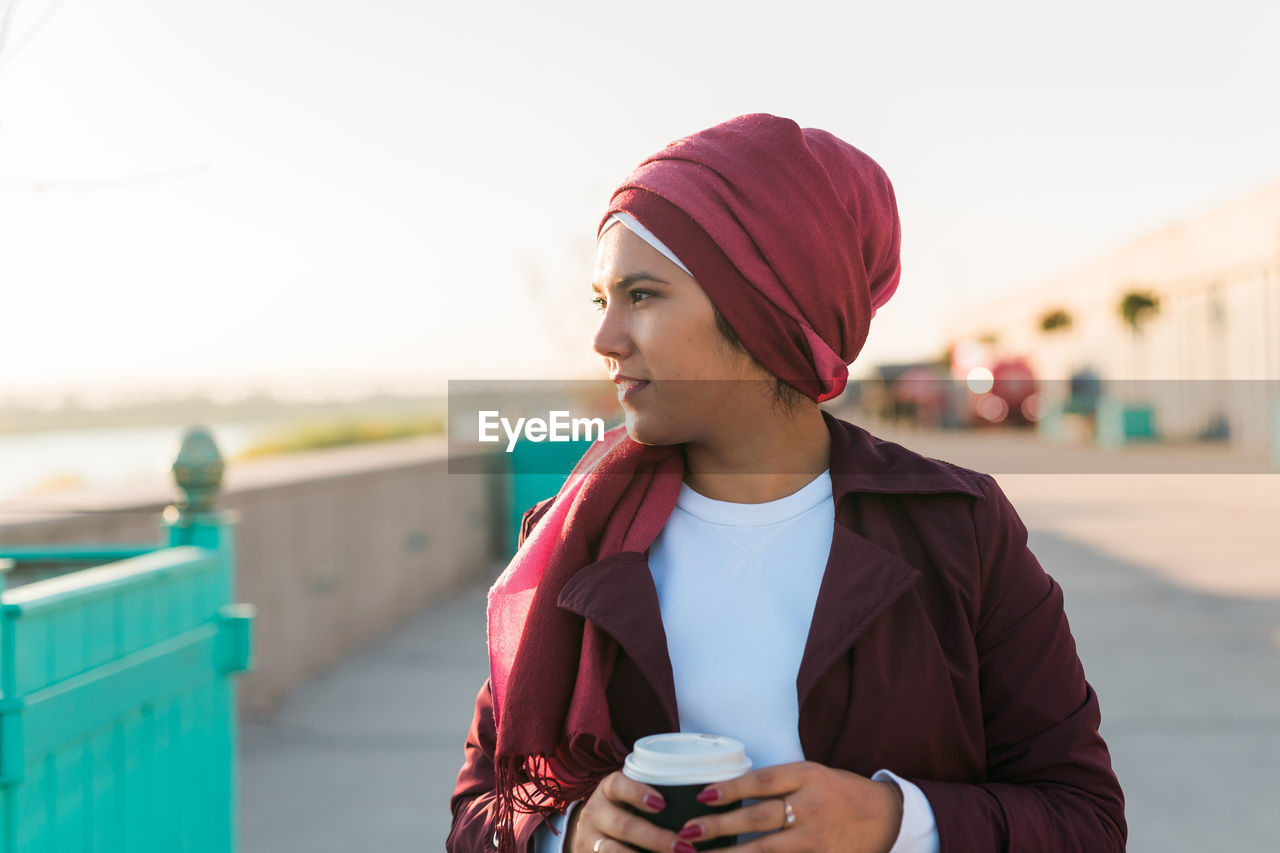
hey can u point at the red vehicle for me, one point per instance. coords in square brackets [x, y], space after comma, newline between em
[1012, 397]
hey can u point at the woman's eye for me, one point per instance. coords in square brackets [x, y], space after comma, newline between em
[638, 294]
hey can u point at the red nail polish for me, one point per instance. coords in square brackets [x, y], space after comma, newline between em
[655, 802]
[691, 832]
[684, 847]
[710, 795]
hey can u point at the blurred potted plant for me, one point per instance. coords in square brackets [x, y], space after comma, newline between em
[1056, 420]
[1132, 421]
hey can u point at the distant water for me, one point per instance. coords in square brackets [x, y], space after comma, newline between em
[40, 461]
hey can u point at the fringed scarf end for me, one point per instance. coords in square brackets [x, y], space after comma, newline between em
[530, 785]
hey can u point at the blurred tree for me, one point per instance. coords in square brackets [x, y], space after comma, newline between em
[1058, 319]
[1137, 307]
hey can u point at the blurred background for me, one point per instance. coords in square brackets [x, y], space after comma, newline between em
[315, 227]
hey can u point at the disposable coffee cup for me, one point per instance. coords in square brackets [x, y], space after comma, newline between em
[679, 765]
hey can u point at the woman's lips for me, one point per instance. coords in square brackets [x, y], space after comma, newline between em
[628, 388]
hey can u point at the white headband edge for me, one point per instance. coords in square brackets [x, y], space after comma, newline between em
[644, 234]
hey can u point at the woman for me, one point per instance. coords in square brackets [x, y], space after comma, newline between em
[868, 621]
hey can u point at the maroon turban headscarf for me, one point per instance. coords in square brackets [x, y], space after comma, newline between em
[792, 232]
[794, 236]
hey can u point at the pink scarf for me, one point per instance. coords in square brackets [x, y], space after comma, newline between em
[549, 668]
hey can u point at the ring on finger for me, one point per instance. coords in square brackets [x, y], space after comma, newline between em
[788, 814]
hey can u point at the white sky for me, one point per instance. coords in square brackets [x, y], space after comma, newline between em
[396, 190]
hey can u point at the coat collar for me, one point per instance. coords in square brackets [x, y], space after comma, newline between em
[861, 462]
[861, 580]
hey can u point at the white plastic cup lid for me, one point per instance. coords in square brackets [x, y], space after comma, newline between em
[686, 758]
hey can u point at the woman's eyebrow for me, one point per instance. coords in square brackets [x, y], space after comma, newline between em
[628, 280]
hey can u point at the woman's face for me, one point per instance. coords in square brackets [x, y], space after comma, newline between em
[678, 379]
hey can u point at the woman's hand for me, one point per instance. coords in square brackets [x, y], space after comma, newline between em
[602, 825]
[834, 810]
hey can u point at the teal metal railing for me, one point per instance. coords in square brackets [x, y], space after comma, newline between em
[117, 697]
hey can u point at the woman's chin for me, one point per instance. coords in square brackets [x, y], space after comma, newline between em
[644, 430]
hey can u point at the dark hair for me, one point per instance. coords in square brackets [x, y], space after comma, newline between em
[785, 397]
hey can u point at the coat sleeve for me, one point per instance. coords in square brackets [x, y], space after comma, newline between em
[1049, 783]
[473, 802]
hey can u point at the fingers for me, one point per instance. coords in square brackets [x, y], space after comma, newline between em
[623, 830]
[776, 781]
[604, 817]
[764, 816]
[620, 788]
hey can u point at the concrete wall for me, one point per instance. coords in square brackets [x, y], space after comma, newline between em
[335, 547]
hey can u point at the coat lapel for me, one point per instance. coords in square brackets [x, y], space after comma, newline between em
[862, 578]
[861, 581]
[617, 594]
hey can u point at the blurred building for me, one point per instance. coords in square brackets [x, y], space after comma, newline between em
[1185, 319]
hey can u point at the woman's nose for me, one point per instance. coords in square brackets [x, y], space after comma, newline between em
[612, 339]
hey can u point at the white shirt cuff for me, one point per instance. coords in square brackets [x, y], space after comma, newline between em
[919, 832]
[547, 841]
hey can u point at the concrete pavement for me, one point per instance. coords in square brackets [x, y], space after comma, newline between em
[1185, 657]
[365, 757]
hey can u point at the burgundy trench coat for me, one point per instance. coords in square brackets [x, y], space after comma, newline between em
[938, 649]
